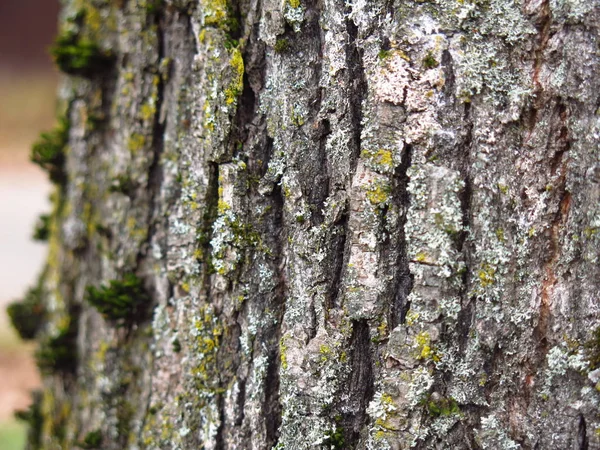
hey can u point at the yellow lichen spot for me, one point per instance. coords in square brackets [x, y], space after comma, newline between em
[237, 83]
[215, 12]
[486, 275]
[411, 317]
[136, 142]
[503, 188]
[147, 111]
[483, 380]
[93, 19]
[223, 206]
[382, 329]
[424, 347]
[102, 350]
[421, 257]
[387, 399]
[185, 286]
[379, 435]
[294, 3]
[198, 253]
[287, 193]
[377, 195]
[282, 353]
[500, 234]
[381, 157]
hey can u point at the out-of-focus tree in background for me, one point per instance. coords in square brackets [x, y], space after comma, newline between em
[27, 103]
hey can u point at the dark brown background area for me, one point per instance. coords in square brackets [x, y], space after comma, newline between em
[27, 28]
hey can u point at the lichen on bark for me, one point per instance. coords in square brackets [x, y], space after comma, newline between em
[361, 225]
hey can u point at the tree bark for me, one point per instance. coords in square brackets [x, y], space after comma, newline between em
[356, 225]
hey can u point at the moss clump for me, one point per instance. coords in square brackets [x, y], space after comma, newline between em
[41, 232]
[442, 406]
[281, 45]
[49, 151]
[429, 62]
[592, 349]
[176, 345]
[335, 439]
[79, 56]
[153, 6]
[34, 418]
[59, 353]
[92, 440]
[123, 301]
[28, 315]
[384, 53]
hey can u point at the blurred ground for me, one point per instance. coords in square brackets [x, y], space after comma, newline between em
[26, 107]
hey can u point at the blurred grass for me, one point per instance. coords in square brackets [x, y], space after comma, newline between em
[12, 435]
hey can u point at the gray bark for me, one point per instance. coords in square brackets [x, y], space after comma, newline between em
[360, 225]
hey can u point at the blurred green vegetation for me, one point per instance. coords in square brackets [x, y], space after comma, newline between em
[12, 435]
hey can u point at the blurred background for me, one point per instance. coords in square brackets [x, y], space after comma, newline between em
[27, 105]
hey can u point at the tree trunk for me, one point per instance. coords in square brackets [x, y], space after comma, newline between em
[324, 224]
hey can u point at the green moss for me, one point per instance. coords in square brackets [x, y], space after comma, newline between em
[383, 54]
[176, 345]
[442, 406]
[41, 232]
[335, 439]
[122, 302]
[592, 350]
[281, 45]
[92, 440]
[429, 61]
[153, 6]
[35, 420]
[76, 55]
[48, 151]
[122, 184]
[28, 315]
[59, 353]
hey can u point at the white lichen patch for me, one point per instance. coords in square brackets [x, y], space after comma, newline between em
[392, 79]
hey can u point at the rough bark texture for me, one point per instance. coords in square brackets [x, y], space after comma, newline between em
[368, 224]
